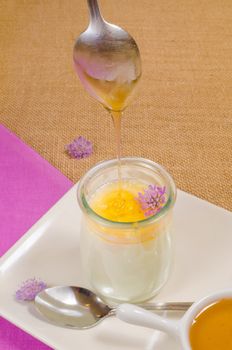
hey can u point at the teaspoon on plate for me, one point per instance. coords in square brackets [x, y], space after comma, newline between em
[80, 308]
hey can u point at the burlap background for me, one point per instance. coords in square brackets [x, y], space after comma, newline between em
[181, 117]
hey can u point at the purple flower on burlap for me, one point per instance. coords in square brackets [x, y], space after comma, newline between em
[152, 200]
[79, 148]
[29, 289]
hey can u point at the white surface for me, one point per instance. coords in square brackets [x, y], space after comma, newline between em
[202, 241]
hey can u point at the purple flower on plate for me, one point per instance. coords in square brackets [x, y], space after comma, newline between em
[29, 289]
[79, 148]
[152, 200]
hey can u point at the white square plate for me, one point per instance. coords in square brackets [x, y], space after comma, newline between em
[202, 241]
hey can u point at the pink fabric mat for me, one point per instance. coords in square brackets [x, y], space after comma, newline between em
[29, 186]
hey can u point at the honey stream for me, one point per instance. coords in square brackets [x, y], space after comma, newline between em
[114, 95]
[117, 120]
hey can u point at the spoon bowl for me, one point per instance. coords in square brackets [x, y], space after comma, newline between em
[73, 307]
[107, 61]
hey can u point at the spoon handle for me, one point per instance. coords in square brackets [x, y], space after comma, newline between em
[169, 306]
[95, 14]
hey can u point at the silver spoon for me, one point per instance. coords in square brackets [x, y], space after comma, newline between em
[78, 307]
[107, 61]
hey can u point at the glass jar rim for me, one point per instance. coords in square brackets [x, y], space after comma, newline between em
[136, 160]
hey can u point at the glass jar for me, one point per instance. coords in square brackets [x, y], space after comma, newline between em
[125, 261]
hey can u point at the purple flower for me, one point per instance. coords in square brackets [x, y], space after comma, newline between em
[79, 148]
[29, 289]
[152, 200]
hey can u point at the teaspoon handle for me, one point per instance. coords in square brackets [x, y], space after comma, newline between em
[169, 306]
[95, 14]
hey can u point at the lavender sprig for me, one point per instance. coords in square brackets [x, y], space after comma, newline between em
[152, 200]
[79, 148]
[29, 289]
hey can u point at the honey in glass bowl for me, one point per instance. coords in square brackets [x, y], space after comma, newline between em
[211, 329]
